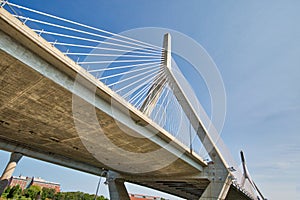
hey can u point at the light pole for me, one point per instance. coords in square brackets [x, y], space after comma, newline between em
[99, 182]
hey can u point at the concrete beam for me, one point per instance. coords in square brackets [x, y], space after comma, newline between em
[9, 170]
[53, 158]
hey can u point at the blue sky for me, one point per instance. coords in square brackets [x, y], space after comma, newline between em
[256, 46]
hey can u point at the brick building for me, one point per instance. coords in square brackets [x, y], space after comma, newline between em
[143, 197]
[26, 182]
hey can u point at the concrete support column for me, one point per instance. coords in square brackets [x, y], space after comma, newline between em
[219, 177]
[117, 189]
[8, 172]
[216, 190]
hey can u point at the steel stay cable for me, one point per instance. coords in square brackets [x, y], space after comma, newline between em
[122, 67]
[131, 77]
[127, 72]
[100, 48]
[152, 99]
[146, 86]
[79, 31]
[154, 89]
[162, 103]
[83, 25]
[148, 81]
[116, 61]
[90, 40]
[135, 82]
[109, 55]
[159, 76]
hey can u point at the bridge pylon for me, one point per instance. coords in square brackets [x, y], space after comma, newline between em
[217, 171]
[159, 83]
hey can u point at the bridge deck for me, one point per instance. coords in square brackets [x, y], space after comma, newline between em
[37, 111]
[36, 118]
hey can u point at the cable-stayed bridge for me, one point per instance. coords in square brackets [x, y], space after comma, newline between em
[107, 104]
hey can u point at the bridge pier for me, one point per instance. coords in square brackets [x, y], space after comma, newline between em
[116, 187]
[8, 172]
[219, 177]
[216, 190]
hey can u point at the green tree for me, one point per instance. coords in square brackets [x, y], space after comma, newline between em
[102, 198]
[32, 191]
[76, 196]
[59, 196]
[48, 193]
[14, 192]
[7, 190]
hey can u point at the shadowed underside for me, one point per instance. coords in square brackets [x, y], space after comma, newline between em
[36, 114]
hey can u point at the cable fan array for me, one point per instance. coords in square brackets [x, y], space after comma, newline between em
[130, 67]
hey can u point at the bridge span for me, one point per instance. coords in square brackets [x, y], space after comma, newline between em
[38, 87]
